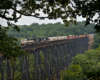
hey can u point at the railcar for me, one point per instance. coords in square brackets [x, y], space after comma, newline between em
[76, 36]
[63, 37]
[83, 35]
[88, 35]
[31, 41]
[52, 38]
[39, 40]
[69, 37]
[48, 39]
[91, 35]
[60, 37]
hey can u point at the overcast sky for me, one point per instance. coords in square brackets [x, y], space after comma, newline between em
[29, 20]
[24, 20]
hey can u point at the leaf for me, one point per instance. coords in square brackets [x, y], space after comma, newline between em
[16, 28]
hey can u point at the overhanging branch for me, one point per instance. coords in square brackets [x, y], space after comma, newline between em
[8, 18]
[28, 14]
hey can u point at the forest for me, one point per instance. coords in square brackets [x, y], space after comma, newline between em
[83, 61]
[50, 30]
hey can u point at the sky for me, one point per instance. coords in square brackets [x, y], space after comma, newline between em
[24, 20]
[29, 20]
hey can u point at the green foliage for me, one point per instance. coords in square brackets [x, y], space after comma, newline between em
[57, 29]
[89, 61]
[8, 45]
[84, 66]
[73, 73]
[67, 10]
[96, 42]
[86, 9]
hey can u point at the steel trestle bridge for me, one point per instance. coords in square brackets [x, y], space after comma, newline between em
[44, 61]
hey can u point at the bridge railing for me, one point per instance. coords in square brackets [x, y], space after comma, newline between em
[43, 63]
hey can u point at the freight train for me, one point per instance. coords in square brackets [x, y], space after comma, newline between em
[25, 42]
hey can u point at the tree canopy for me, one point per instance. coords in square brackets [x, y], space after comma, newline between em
[50, 30]
[8, 45]
[96, 42]
[53, 9]
[84, 66]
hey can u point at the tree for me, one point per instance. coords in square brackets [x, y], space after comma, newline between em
[72, 73]
[56, 29]
[8, 45]
[96, 42]
[84, 66]
[54, 9]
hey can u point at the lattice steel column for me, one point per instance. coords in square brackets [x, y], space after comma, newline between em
[54, 59]
[24, 68]
[1, 70]
[48, 61]
[73, 49]
[44, 65]
[71, 55]
[62, 56]
[57, 62]
[51, 63]
[81, 46]
[66, 55]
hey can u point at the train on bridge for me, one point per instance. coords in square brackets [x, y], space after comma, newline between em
[25, 42]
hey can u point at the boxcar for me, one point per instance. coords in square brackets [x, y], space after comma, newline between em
[76, 36]
[83, 35]
[51, 38]
[80, 36]
[68, 37]
[91, 34]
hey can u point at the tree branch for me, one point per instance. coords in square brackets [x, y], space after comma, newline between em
[8, 18]
[28, 14]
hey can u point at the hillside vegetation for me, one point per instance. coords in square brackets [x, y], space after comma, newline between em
[84, 66]
[49, 30]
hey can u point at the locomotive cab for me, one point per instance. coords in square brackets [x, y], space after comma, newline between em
[23, 42]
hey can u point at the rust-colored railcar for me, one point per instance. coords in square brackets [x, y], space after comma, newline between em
[83, 35]
[76, 36]
[80, 36]
[88, 35]
[68, 37]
